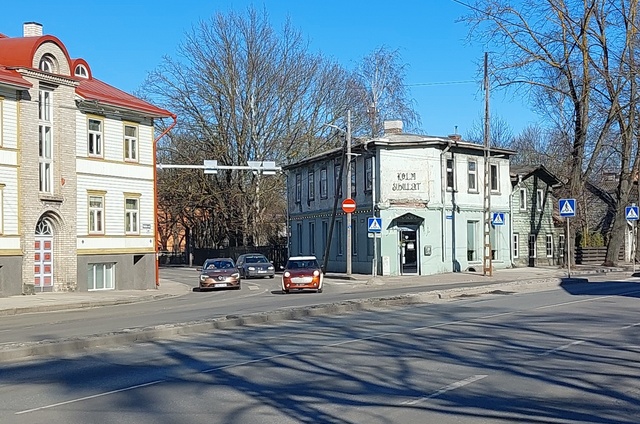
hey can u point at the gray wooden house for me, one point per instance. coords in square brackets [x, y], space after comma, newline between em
[535, 238]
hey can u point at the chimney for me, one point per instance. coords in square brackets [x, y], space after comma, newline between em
[31, 29]
[393, 127]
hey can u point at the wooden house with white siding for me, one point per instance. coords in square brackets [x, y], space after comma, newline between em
[77, 174]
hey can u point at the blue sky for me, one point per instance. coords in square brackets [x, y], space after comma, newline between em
[123, 40]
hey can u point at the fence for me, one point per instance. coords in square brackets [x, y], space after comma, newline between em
[594, 255]
[277, 254]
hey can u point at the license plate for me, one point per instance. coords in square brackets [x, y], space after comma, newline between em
[262, 272]
[220, 285]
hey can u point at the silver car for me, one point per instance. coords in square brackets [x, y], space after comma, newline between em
[255, 265]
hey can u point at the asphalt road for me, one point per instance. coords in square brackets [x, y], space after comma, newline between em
[569, 355]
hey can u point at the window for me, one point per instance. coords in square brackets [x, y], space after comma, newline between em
[1, 111]
[523, 199]
[46, 64]
[539, 199]
[96, 214]
[312, 238]
[354, 237]
[311, 189]
[101, 276]
[532, 245]
[354, 190]
[516, 245]
[472, 241]
[130, 143]
[493, 169]
[493, 240]
[299, 228]
[368, 174]
[95, 137]
[450, 175]
[339, 234]
[1, 208]
[472, 167]
[336, 175]
[45, 141]
[549, 245]
[81, 71]
[323, 183]
[131, 214]
[325, 232]
[298, 188]
[561, 246]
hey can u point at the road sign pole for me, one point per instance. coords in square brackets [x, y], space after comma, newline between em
[568, 250]
[633, 248]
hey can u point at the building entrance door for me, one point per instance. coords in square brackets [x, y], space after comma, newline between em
[408, 252]
[43, 257]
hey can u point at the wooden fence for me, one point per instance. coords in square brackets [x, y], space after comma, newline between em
[594, 255]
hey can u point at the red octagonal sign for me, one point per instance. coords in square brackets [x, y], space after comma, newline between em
[349, 205]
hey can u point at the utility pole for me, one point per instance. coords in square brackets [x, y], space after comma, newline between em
[348, 162]
[374, 271]
[487, 267]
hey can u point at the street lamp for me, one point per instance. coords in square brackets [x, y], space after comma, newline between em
[348, 162]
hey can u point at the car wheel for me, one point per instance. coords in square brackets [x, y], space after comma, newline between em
[237, 288]
[320, 290]
[284, 291]
[271, 276]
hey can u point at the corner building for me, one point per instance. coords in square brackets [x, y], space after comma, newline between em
[77, 174]
[428, 192]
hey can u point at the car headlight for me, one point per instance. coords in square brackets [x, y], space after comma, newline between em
[271, 268]
[287, 274]
[251, 268]
[203, 277]
[316, 273]
[236, 275]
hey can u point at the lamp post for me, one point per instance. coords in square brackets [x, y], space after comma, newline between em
[348, 194]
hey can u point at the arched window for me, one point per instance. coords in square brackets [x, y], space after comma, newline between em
[46, 64]
[81, 71]
[43, 228]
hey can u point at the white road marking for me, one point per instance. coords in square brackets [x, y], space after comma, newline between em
[560, 348]
[450, 387]
[90, 397]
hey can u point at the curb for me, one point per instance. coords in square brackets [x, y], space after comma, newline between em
[18, 351]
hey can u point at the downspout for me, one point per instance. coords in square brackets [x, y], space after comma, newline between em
[443, 189]
[155, 196]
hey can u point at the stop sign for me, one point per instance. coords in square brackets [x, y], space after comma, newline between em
[349, 205]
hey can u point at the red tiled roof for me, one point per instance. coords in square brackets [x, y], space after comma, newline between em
[18, 52]
[11, 77]
[94, 89]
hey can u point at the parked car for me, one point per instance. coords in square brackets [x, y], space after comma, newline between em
[302, 273]
[255, 265]
[219, 273]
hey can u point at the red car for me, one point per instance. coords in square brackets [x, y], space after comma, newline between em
[219, 273]
[302, 273]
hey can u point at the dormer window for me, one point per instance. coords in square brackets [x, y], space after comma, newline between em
[81, 71]
[46, 64]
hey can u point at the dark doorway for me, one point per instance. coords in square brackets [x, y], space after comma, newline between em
[408, 251]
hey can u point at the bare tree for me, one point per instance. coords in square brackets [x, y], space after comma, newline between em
[243, 92]
[499, 132]
[578, 58]
[379, 88]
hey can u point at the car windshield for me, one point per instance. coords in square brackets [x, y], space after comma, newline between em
[256, 260]
[218, 265]
[301, 264]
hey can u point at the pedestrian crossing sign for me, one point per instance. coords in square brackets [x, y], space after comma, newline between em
[375, 225]
[567, 207]
[631, 212]
[498, 218]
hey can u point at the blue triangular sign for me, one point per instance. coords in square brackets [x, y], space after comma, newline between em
[566, 209]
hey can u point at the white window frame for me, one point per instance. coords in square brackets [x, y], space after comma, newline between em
[561, 246]
[108, 276]
[324, 193]
[539, 199]
[549, 245]
[1, 121]
[533, 246]
[516, 245]
[46, 64]
[450, 174]
[81, 71]
[494, 240]
[45, 141]
[494, 171]
[2, 208]
[298, 187]
[311, 185]
[523, 199]
[132, 215]
[96, 214]
[131, 144]
[473, 242]
[95, 138]
[472, 175]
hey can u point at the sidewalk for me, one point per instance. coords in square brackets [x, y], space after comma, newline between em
[48, 302]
